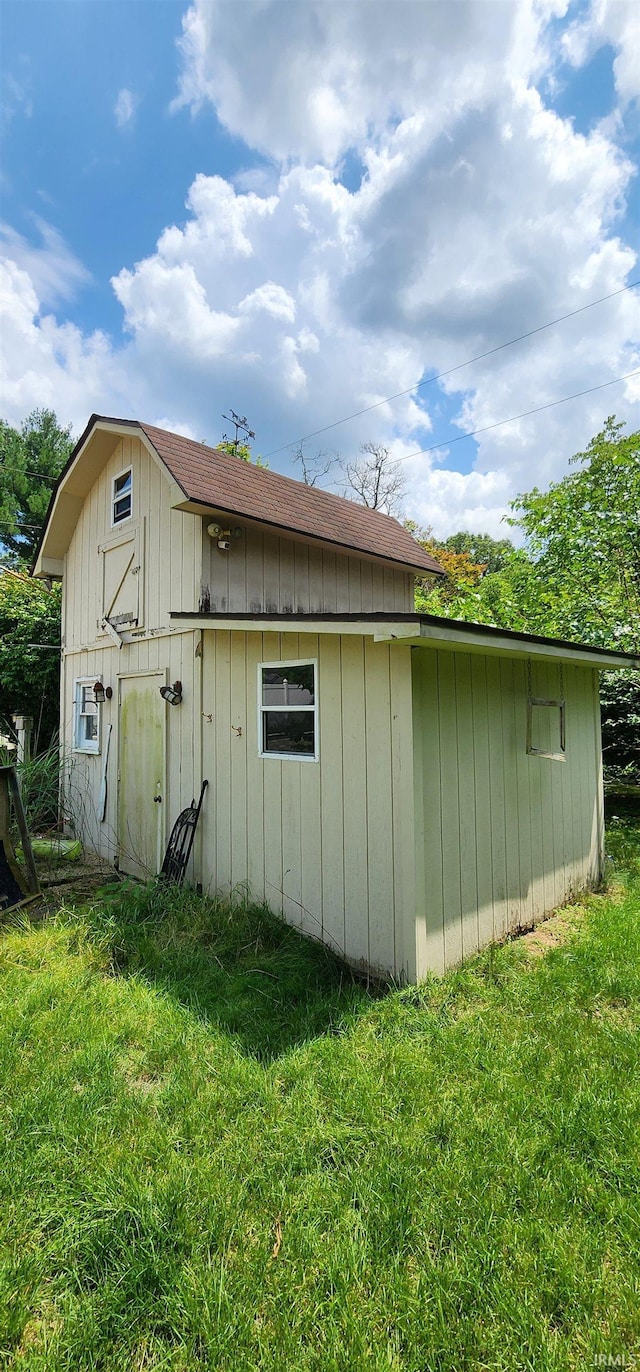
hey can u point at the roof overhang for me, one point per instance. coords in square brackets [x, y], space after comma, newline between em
[92, 452]
[228, 519]
[417, 631]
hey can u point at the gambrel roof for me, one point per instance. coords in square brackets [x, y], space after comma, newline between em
[211, 479]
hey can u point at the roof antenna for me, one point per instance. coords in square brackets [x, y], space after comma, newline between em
[239, 422]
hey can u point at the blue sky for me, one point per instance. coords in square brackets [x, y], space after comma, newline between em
[375, 192]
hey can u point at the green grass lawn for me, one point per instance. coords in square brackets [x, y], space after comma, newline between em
[221, 1152]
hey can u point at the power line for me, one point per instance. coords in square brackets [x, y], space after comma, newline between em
[525, 414]
[429, 380]
[434, 447]
[41, 476]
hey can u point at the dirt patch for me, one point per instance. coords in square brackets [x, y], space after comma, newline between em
[144, 1084]
[71, 883]
[552, 932]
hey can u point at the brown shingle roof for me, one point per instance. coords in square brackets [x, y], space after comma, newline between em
[228, 484]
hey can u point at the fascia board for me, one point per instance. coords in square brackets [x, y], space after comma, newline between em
[493, 645]
[412, 634]
[288, 624]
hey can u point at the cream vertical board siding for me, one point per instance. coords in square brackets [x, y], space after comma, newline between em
[174, 657]
[262, 572]
[168, 546]
[169, 539]
[322, 842]
[501, 836]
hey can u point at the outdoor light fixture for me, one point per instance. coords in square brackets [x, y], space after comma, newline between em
[172, 694]
[101, 693]
[223, 536]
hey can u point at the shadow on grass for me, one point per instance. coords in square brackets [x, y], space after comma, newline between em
[622, 814]
[232, 963]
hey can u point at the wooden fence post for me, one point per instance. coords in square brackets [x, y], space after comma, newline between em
[24, 725]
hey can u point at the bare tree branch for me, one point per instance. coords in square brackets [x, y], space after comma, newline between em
[376, 479]
[316, 467]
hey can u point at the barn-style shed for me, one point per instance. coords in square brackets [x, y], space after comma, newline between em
[405, 788]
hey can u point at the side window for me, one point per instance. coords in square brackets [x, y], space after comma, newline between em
[287, 710]
[86, 723]
[122, 498]
[545, 728]
[546, 712]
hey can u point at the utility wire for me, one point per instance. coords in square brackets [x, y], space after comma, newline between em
[434, 447]
[525, 413]
[429, 380]
[39, 475]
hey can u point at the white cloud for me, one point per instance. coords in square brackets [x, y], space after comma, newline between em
[125, 107]
[480, 214]
[47, 364]
[53, 269]
[311, 80]
[17, 96]
[609, 22]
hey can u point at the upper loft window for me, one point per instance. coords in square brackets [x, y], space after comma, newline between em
[121, 505]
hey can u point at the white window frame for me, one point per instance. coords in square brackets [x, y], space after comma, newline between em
[559, 705]
[80, 744]
[289, 709]
[116, 523]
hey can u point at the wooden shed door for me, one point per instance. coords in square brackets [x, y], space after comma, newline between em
[141, 774]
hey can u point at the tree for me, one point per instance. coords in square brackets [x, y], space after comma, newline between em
[31, 460]
[376, 479]
[577, 576]
[316, 467]
[583, 540]
[445, 595]
[241, 450]
[620, 705]
[466, 559]
[491, 552]
[30, 652]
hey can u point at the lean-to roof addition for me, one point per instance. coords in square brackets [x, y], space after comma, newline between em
[208, 479]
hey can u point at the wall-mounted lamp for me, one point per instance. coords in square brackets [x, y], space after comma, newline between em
[223, 536]
[101, 693]
[172, 694]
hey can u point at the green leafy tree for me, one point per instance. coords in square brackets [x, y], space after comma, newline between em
[466, 559]
[620, 705]
[583, 539]
[30, 652]
[577, 576]
[480, 548]
[241, 450]
[31, 460]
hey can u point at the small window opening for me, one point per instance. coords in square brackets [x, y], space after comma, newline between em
[122, 496]
[87, 718]
[546, 728]
[287, 707]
